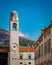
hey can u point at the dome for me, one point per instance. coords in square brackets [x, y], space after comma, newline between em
[14, 13]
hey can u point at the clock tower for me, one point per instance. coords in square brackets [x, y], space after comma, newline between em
[14, 38]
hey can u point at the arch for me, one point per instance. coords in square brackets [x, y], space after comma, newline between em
[14, 26]
[49, 62]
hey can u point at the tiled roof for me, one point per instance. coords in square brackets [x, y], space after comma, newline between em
[26, 49]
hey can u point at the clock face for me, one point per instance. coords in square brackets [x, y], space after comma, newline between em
[14, 46]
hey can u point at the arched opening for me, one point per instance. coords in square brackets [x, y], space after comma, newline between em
[14, 26]
[3, 58]
[49, 62]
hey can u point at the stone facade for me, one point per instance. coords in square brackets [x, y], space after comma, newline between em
[14, 38]
[18, 55]
[43, 51]
[26, 56]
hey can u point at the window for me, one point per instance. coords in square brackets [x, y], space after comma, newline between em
[29, 57]
[15, 58]
[25, 64]
[37, 53]
[20, 62]
[47, 47]
[21, 56]
[41, 50]
[44, 48]
[14, 26]
[29, 62]
[12, 58]
[45, 35]
[41, 63]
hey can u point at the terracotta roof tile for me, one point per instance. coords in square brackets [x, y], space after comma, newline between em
[26, 49]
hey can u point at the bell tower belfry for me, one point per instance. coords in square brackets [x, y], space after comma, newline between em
[14, 38]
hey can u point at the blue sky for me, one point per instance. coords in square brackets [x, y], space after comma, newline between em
[33, 15]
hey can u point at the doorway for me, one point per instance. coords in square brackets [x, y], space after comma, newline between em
[3, 58]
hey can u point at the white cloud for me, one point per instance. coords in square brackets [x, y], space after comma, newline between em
[27, 35]
[24, 35]
[21, 34]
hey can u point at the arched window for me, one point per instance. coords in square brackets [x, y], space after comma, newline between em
[14, 26]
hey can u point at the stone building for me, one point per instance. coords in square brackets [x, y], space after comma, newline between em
[26, 56]
[12, 53]
[43, 51]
